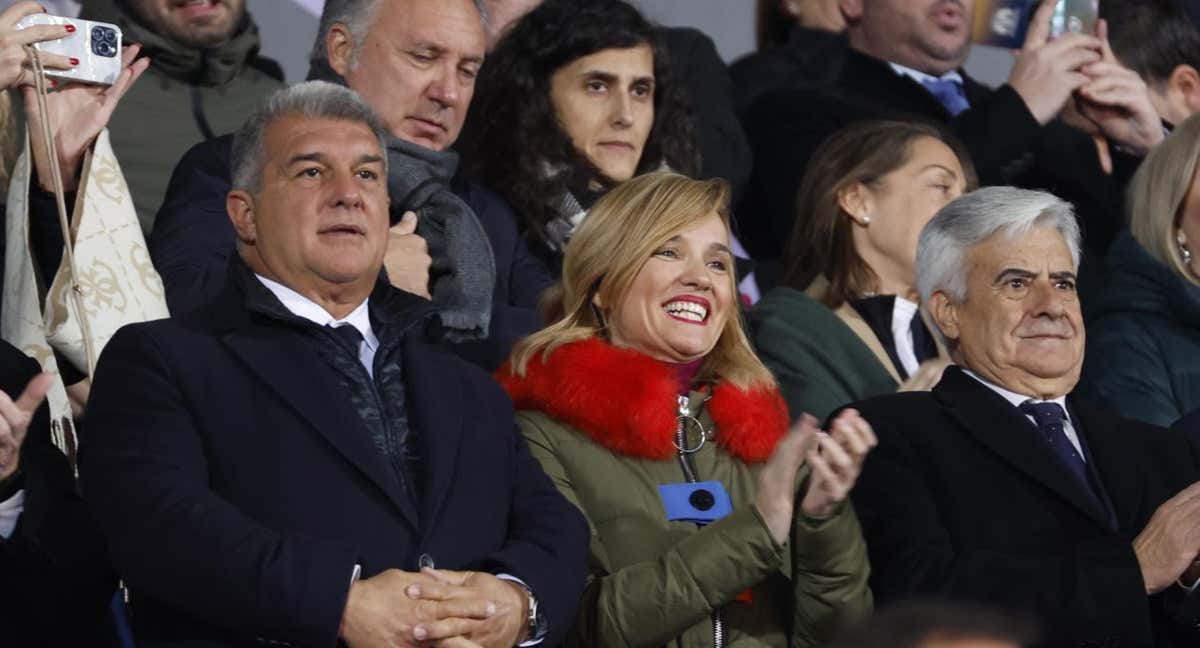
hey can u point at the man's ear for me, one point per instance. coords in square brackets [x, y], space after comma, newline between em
[851, 9]
[339, 46]
[240, 206]
[856, 201]
[1183, 87]
[944, 313]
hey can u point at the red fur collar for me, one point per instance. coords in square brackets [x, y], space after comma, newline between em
[626, 401]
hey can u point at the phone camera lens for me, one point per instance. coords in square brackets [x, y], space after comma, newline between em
[97, 33]
[110, 35]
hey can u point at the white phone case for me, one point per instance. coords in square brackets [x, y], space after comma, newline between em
[97, 45]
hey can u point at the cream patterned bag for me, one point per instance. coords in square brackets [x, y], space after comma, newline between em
[117, 283]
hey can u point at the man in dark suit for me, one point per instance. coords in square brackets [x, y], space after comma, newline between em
[999, 487]
[905, 61]
[291, 462]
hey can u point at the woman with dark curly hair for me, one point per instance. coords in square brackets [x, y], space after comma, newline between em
[576, 97]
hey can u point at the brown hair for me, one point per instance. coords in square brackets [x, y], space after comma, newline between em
[822, 239]
[1157, 193]
[622, 231]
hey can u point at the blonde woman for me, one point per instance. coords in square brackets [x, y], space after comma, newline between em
[647, 407]
[1143, 351]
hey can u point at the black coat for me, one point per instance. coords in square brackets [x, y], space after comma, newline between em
[963, 499]
[57, 581]
[724, 151]
[238, 490]
[1006, 143]
[193, 239]
[810, 57]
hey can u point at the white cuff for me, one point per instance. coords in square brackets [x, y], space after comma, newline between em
[10, 512]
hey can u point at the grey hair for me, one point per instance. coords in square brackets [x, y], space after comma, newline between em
[313, 99]
[976, 217]
[357, 16]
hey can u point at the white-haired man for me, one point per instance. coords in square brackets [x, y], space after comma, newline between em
[996, 485]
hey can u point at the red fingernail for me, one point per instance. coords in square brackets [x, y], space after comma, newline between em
[53, 83]
[74, 61]
[70, 29]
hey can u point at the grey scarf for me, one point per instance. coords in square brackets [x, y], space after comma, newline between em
[463, 276]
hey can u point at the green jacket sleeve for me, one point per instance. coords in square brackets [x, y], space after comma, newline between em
[649, 603]
[829, 577]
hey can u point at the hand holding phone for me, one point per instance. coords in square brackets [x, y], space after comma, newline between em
[92, 48]
[15, 67]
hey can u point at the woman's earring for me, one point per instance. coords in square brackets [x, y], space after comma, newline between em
[1183, 249]
[866, 220]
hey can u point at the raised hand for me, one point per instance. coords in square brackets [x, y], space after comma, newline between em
[836, 463]
[15, 417]
[1047, 72]
[1115, 103]
[407, 258]
[78, 112]
[15, 66]
[1171, 540]
[776, 495]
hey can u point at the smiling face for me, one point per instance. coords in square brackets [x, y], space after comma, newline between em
[319, 222]
[927, 35]
[605, 104]
[1020, 325]
[899, 205]
[416, 66]
[677, 306]
[192, 23]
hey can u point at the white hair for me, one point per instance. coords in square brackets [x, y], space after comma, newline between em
[357, 16]
[976, 217]
[315, 99]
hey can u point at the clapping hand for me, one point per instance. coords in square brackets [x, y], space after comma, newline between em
[836, 462]
[78, 112]
[15, 417]
[1168, 545]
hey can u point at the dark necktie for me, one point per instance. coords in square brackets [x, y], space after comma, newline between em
[1049, 418]
[949, 92]
[348, 336]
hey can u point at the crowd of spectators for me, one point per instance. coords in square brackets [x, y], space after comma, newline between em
[464, 348]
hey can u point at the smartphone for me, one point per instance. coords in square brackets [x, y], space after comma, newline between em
[97, 45]
[1004, 23]
[1074, 16]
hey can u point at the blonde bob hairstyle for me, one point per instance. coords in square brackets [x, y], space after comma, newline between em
[622, 231]
[1158, 191]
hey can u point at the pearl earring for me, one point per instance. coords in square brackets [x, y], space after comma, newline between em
[1183, 249]
[866, 220]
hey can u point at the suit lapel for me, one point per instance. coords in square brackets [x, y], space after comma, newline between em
[1000, 427]
[283, 361]
[435, 403]
[1111, 464]
[863, 330]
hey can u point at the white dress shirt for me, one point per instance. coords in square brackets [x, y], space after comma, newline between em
[1016, 400]
[903, 312]
[10, 512]
[359, 318]
[922, 77]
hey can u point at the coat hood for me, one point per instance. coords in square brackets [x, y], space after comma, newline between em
[207, 67]
[1136, 282]
[627, 402]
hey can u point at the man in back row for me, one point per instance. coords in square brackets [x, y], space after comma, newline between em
[414, 62]
[289, 463]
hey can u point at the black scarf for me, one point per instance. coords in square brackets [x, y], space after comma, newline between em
[463, 276]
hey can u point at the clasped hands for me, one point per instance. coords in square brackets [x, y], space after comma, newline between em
[1168, 548]
[448, 609]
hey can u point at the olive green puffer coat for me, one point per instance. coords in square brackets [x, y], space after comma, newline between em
[601, 421]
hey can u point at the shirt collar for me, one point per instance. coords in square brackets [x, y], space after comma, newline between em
[922, 77]
[303, 307]
[1013, 397]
